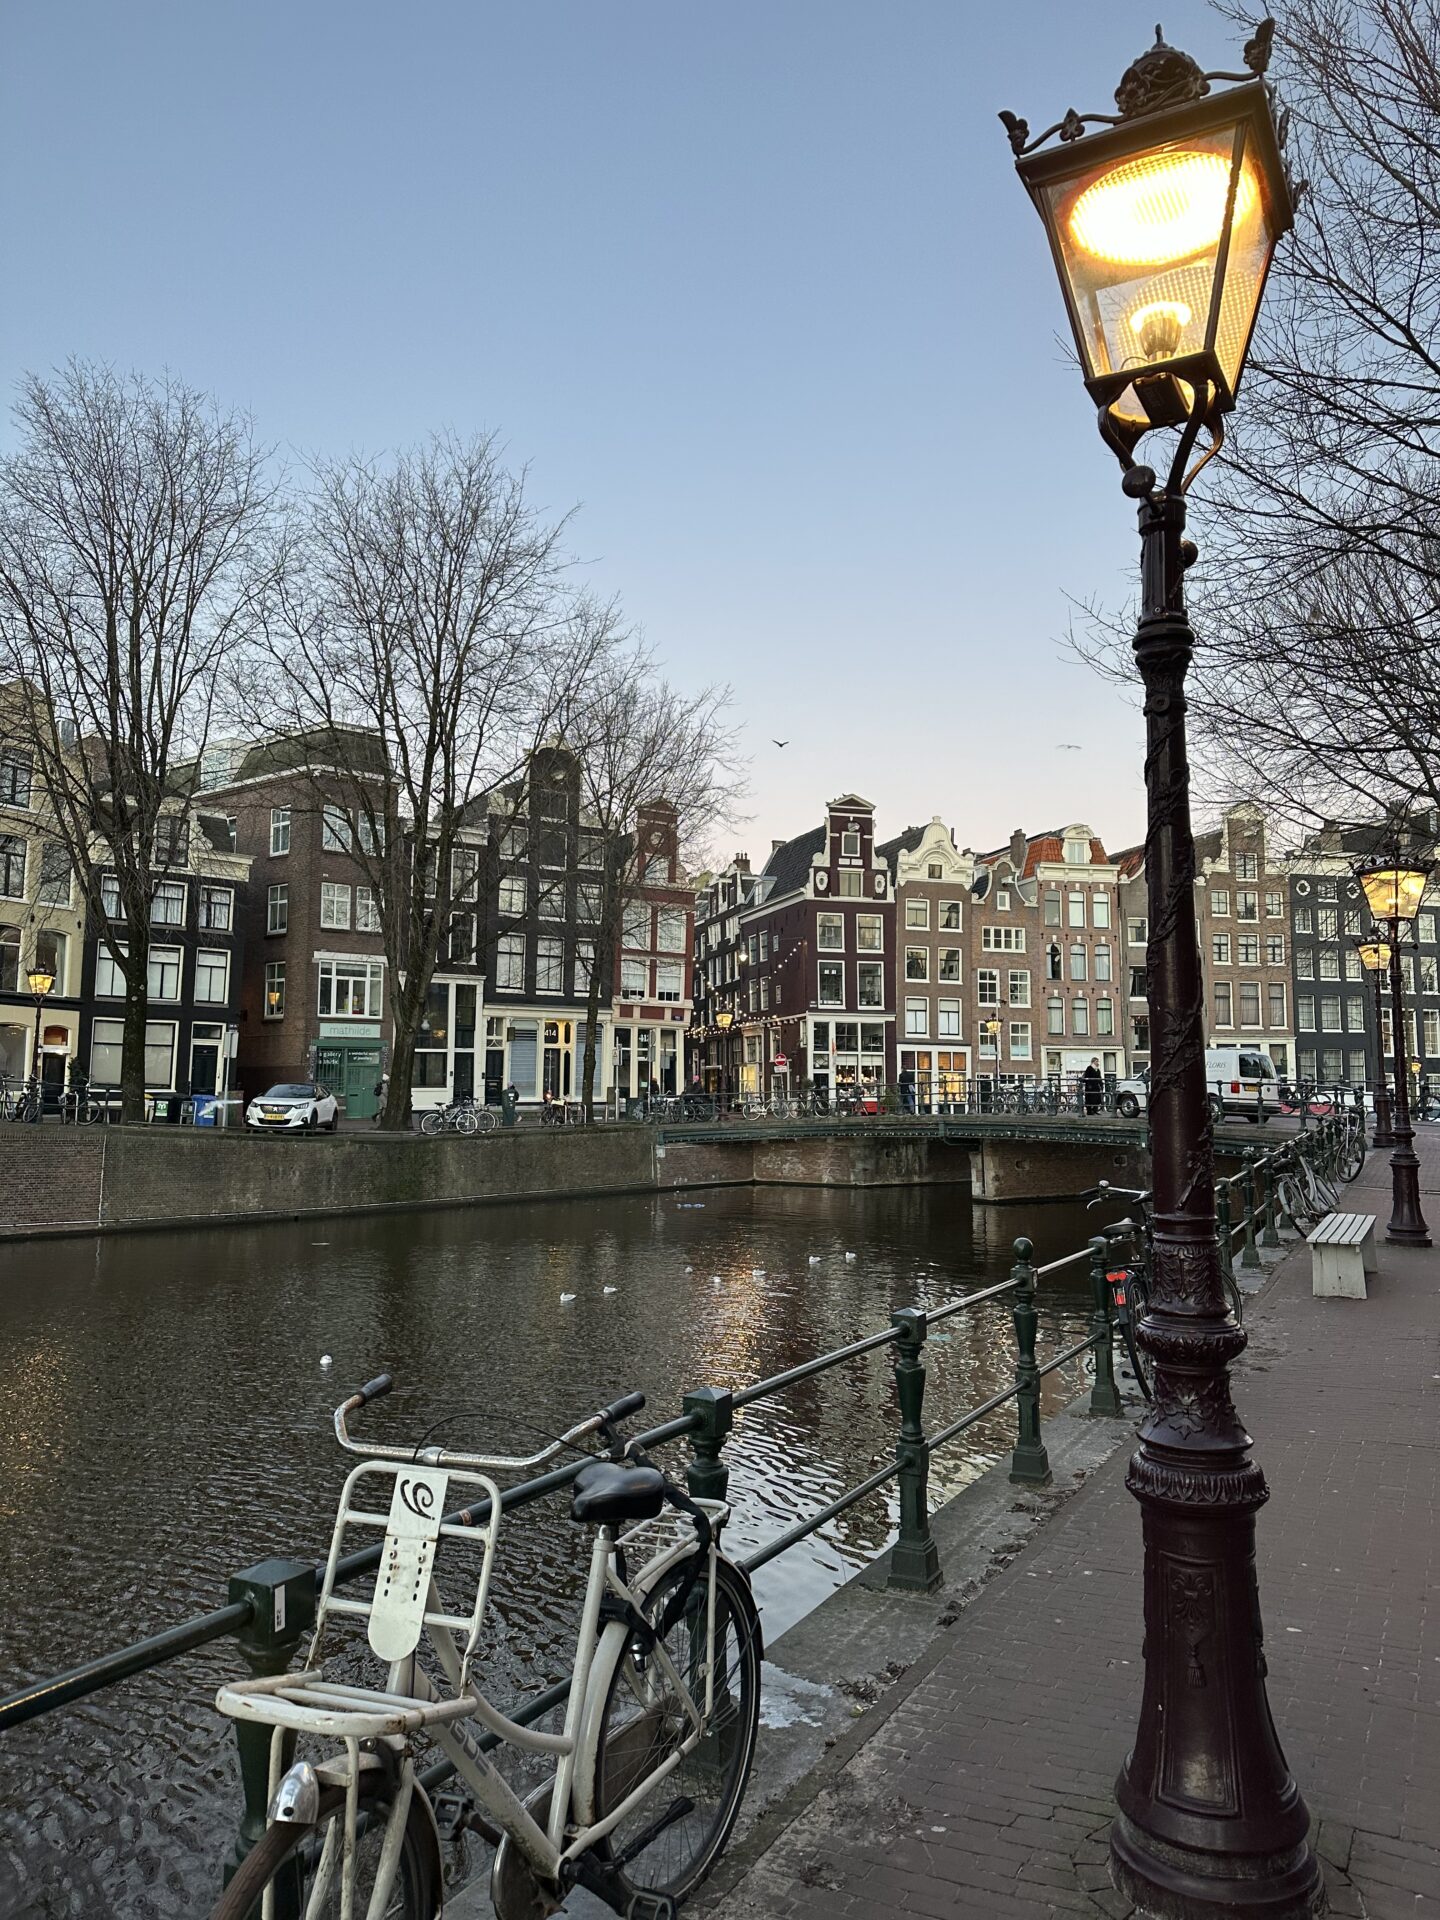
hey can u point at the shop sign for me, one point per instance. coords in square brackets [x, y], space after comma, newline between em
[349, 1030]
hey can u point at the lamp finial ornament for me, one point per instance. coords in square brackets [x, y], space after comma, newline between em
[1161, 77]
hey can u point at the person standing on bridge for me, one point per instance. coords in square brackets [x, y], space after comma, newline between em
[1094, 1082]
[907, 1090]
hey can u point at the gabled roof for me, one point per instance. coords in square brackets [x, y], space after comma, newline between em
[1042, 849]
[789, 865]
[851, 803]
[1130, 860]
[890, 850]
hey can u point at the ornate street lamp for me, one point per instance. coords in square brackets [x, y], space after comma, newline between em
[1162, 226]
[1375, 958]
[1394, 888]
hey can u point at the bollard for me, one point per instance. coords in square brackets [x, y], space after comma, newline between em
[1222, 1223]
[1104, 1395]
[1270, 1237]
[1250, 1254]
[1029, 1462]
[915, 1558]
[282, 1594]
[708, 1477]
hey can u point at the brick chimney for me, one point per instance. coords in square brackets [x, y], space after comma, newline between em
[1019, 847]
[742, 863]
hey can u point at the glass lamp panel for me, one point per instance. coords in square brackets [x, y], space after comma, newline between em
[1375, 955]
[1140, 238]
[1394, 893]
[1252, 240]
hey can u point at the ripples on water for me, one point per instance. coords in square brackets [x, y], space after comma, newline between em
[164, 1422]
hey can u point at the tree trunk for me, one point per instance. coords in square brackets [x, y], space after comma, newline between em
[137, 1008]
[396, 1118]
[592, 1020]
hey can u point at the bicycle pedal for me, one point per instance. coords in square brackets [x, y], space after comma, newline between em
[650, 1906]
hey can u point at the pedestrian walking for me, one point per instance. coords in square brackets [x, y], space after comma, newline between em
[907, 1090]
[1094, 1082]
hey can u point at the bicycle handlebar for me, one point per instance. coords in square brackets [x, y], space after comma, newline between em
[437, 1456]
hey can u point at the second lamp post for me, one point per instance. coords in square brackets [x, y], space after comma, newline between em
[1394, 888]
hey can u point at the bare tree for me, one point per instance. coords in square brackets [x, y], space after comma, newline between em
[424, 643]
[1317, 680]
[640, 742]
[132, 540]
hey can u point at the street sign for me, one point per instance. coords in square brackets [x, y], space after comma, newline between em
[780, 1062]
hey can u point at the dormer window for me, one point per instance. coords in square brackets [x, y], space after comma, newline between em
[1077, 853]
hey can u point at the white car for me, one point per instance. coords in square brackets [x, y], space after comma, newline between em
[1132, 1096]
[296, 1106]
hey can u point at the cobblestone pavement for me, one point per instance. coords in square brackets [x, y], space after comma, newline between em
[982, 1784]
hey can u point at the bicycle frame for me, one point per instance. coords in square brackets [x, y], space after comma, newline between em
[600, 1647]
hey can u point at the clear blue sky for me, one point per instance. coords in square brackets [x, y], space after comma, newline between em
[752, 284]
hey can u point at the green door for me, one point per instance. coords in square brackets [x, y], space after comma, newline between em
[362, 1075]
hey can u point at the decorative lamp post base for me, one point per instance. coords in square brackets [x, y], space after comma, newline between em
[1172, 1883]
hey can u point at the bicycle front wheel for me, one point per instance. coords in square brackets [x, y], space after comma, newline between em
[433, 1121]
[645, 1721]
[294, 1857]
[465, 1120]
[486, 1120]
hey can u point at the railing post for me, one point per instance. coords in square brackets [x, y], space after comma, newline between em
[915, 1558]
[708, 1477]
[1104, 1395]
[281, 1594]
[1222, 1224]
[1250, 1254]
[1029, 1462]
[1270, 1237]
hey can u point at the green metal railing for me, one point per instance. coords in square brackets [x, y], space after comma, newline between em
[271, 1605]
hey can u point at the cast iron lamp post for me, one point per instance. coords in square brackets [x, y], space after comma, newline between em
[1162, 226]
[1375, 958]
[40, 980]
[1394, 889]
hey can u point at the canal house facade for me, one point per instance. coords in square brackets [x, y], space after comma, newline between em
[654, 963]
[1242, 912]
[816, 986]
[934, 1020]
[716, 1036]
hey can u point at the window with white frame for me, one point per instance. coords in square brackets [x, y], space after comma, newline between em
[1002, 900]
[216, 909]
[367, 910]
[212, 977]
[1305, 1012]
[1249, 1003]
[1080, 1016]
[107, 1041]
[1137, 932]
[1102, 963]
[549, 966]
[167, 909]
[850, 846]
[1304, 963]
[109, 974]
[869, 932]
[1248, 948]
[635, 979]
[949, 920]
[1432, 1035]
[635, 925]
[1075, 909]
[277, 908]
[851, 883]
[591, 848]
[1019, 1039]
[464, 875]
[512, 895]
[669, 979]
[1275, 950]
[1355, 1013]
[1224, 1004]
[279, 831]
[1247, 866]
[510, 961]
[1055, 1014]
[53, 888]
[163, 973]
[584, 966]
[1354, 966]
[515, 841]
[1105, 1017]
[670, 930]
[1330, 1013]
[16, 777]
[1329, 964]
[987, 986]
[335, 830]
[1002, 939]
[1052, 909]
[1327, 923]
[917, 963]
[587, 902]
[1220, 949]
[1304, 920]
[334, 905]
[830, 932]
[369, 832]
[917, 1017]
[274, 990]
[1425, 930]
[1100, 908]
[550, 905]
[917, 914]
[947, 1015]
[947, 967]
[1019, 987]
[870, 981]
[1219, 902]
[832, 984]
[1274, 905]
[1276, 1007]
[350, 988]
[1078, 961]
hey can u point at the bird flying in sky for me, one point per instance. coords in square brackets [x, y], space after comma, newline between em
[1066, 746]
[780, 743]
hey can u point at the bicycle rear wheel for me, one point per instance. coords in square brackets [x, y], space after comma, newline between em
[291, 1855]
[433, 1121]
[486, 1120]
[1137, 1305]
[644, 1721]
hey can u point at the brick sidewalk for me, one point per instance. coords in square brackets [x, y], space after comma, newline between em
[982, 1785]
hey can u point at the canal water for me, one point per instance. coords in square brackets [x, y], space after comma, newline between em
[165, 1421]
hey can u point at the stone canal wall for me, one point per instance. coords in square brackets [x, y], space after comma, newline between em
[110, 1179]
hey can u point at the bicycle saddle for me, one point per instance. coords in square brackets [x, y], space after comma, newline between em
[608, 1491]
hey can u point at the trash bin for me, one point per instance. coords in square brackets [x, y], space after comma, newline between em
[507, 1108]
[203, 1106]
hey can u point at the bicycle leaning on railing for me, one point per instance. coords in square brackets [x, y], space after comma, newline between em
[459, 1116]
[660, 1719]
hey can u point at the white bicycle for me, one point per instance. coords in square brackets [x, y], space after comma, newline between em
[660, 1721]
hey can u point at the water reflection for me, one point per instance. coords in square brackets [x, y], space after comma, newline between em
[164, 1421]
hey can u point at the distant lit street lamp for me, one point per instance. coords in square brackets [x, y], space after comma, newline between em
[1394, 888]
[1375, 958]
[1162, 226]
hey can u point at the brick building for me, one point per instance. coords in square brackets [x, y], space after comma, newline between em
[313, 999]
[1046, 957]
[1242, 894]
[716, 1038]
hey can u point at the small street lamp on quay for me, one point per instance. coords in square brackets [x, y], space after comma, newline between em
[41, 981]
[1375, 958]
[1394, 888]
[1161, 226]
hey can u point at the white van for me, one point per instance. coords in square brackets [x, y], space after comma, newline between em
[1241, 1080]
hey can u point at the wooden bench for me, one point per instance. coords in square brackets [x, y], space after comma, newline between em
[1342, 1252]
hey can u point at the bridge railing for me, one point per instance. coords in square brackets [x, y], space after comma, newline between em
[270, 1606]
